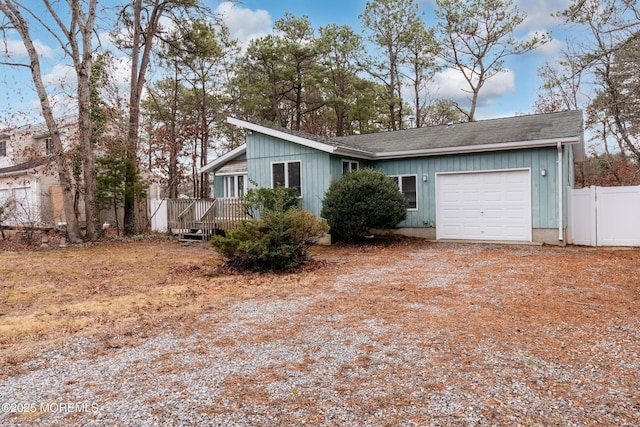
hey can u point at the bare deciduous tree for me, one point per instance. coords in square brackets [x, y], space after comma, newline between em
[75, 39]
[141, 22]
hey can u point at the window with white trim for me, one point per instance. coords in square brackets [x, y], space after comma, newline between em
[3, 148]
[287, 174]
[235, 185]
[408, 185]
[349, 166]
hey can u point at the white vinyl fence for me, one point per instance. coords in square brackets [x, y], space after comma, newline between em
[604, 216]
[158, 212]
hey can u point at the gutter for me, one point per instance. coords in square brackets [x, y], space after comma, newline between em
[475, 148]
[560, 195]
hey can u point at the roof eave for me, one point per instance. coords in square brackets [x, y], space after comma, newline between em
[354, 152]
[224, 158]
[476, 148]
[281, 135]
[20, 172]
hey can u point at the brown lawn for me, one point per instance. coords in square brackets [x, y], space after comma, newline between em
[400, 332]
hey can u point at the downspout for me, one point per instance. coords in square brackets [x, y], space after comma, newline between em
[560, 194]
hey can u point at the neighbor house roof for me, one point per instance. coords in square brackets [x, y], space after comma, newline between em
[25, 167]
[530, 131]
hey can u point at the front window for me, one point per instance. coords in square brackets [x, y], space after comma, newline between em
[49, 146]
[287, 174]
[234, 185]
[408, 187]
[349, 166]
[3, 148]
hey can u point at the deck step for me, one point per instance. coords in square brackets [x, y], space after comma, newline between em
[195, 236]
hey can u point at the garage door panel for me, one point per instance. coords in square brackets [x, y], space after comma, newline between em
[492, 205]
[493, 196]
[492, 214]
[470, 196]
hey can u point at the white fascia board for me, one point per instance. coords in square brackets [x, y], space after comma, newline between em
[224, 158]
[354, 152]
[475, 148]
[281, 135]
[15, 173]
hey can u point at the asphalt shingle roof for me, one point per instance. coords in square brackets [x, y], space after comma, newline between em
[537, 127]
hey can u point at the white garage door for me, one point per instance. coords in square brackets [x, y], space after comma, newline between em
[492, 205]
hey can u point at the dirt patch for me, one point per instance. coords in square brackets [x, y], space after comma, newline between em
[398, 333]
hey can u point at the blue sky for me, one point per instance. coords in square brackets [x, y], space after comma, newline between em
[509, 93]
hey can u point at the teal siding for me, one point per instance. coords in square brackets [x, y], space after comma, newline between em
[543, 188]
[218, 190]
[320, 169]
[263, 150]
[335, 171]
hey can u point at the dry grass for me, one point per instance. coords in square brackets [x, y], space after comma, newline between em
[534, 312]
[115, 289]
[48, 297]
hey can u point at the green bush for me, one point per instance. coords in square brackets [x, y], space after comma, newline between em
[258, 199]
[361, 200]
[278, 240]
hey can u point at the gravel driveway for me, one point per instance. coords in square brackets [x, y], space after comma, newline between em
[402, 334]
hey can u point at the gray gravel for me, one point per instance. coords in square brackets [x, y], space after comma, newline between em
[334, 370]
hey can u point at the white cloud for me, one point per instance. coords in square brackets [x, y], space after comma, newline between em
[14, 48]
[244, 24]
[60, 74]
[452, 85]
[551, 48]
[539, 12]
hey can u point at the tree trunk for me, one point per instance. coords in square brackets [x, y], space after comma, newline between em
[142, 38]
[129, 220]
[204, 144]
[392, 88]
[83, 70]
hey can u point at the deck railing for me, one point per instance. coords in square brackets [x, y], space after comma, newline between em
[204, 216]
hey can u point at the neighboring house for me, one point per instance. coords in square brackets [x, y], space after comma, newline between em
[503, 179]
[29, 188]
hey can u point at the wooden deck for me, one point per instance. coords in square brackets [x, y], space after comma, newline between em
[199, 219]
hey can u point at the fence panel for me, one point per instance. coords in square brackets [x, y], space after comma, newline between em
[618, 216]
[604, 216]
[582, 216]
[159, 217]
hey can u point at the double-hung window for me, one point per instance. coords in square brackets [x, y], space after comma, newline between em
[349, 166]
[408, 187]
[287, 174]
[3, 148]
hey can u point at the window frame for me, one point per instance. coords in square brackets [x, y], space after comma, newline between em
[234, 180]
[48, 146]
[399, 183]
[286, 164]
[350, 164]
